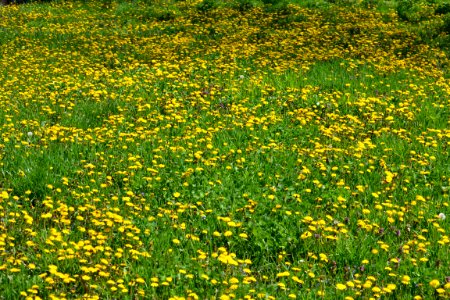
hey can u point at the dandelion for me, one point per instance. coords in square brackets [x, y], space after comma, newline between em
[435, 283]
[406, 279]
[283, 274]
[376, 289]
[306, 235]
[14, 270]
[234, 280]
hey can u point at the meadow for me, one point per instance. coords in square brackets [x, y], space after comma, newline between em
[224, 150]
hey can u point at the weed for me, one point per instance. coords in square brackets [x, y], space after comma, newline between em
[224, 149]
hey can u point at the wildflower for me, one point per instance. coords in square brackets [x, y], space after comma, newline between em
[435, 283]
[406, 279]
[283, 274]
[306, 235]
[14, 270]
[234, 280]
[376, 289]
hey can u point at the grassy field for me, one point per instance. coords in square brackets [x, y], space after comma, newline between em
[220, 150]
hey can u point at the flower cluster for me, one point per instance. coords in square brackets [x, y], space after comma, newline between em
[163, 151]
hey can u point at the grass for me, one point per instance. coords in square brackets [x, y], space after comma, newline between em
[224, 150]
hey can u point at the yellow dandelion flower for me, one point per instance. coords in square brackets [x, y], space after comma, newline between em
[227, 233]
[435, 283]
